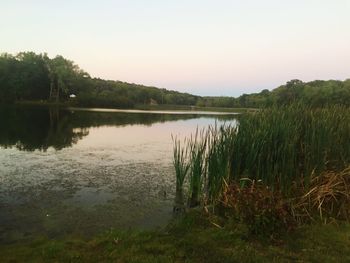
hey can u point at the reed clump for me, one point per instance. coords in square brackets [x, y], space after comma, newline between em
[281, 146]
[197, 148]
[297, 152]
[182, 165]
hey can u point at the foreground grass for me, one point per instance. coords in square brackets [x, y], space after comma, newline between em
[192, 239]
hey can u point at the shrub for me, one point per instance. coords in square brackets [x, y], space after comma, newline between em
[265, 212]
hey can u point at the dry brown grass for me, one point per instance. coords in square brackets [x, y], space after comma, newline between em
[328, 198]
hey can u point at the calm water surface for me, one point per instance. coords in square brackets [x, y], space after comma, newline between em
[80, 172]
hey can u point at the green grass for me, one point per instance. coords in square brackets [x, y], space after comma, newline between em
[192, 239]
[197, 149]
[219, 152]
[182, 167]
[282, 146]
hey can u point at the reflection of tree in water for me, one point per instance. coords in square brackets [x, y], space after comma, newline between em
[62, 133]
[96, 119]
[32, 128]
[37, 128]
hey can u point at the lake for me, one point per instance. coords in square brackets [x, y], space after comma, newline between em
[79, 172]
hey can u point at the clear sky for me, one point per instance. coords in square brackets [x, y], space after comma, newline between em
[205, 47]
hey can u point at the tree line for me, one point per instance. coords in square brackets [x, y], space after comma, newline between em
[317, 93]
[29, 76]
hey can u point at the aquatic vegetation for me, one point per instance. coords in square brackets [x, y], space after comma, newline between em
[205, 160]
[180, 162]
[282, 146]
[220, 146]
[182, 166]
[293, 150]
[197, 149]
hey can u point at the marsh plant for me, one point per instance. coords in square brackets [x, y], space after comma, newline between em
[189, 162]
[197, 148]
[181, 165]
[220, 146]
[203, 160]
[282, 146]
[285, 149]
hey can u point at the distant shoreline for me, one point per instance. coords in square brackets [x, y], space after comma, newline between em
[141, 107]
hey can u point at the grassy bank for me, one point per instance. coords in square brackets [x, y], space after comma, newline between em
[192, 239]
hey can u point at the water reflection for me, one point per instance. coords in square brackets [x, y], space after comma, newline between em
[36, 128]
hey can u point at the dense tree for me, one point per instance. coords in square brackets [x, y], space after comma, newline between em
[8, 83]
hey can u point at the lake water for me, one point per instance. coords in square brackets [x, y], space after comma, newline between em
[81, 172]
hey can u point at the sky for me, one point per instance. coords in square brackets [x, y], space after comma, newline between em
[204, 47]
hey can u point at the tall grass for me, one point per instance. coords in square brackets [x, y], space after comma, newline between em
[204, 159]
[181, 165]
[282, 147]
[180, 161]
[197, 147]
[220, 148]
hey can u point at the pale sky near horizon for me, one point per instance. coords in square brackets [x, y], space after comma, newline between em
[203, 47]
